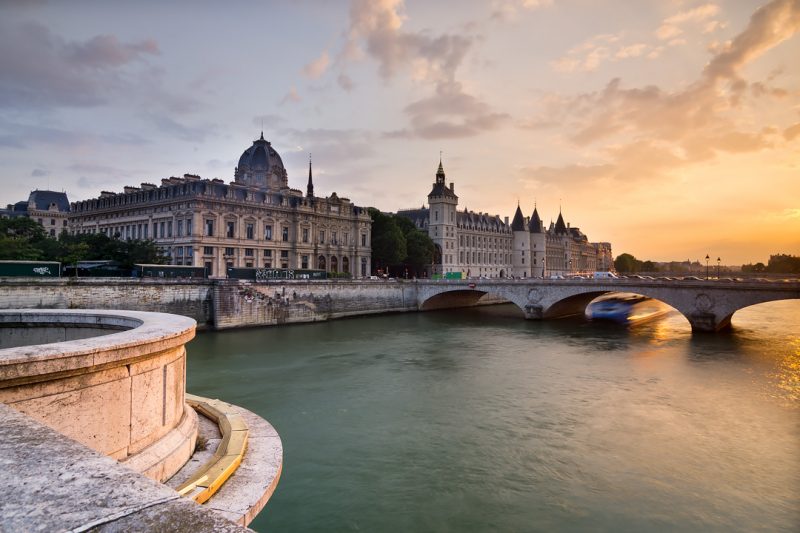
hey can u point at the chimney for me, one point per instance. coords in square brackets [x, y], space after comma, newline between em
[506, 220]
[107, 194]
[147, 186]
[452, 186]
[128, 189]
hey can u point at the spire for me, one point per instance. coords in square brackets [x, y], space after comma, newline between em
[440, 171]
[262, 135]
[310, 186]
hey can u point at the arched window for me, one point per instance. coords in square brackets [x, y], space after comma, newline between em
[321, 264]
[334, 264]
[345, 265]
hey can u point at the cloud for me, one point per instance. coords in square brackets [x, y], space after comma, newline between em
[345, 82]
[792, 132]
[505, 10]
[39, 173]
[291, 97]
[42, 69]
[649, 132]
[376, 30]
[590, 54]
[104, 51]
[671, 26]
[315, 69]
[450, 113]
[769, 26]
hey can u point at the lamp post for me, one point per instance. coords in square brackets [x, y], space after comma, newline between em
[718, 265]
[707, 258]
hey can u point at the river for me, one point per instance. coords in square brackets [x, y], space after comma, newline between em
[478, 420]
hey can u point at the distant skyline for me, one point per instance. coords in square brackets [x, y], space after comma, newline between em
[669, 128]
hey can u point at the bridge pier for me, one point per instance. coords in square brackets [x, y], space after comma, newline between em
[708, 322]
[534, 312]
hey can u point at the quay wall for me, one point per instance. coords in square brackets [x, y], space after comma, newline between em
[191, 298]
[226, 304]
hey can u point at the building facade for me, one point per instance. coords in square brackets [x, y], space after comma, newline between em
[481, 245]
[257, 220]
[49, 208]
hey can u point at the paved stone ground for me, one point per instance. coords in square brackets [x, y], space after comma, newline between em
[52, 483]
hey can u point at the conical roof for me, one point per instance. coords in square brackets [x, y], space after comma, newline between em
[535, 225]
[518, 224]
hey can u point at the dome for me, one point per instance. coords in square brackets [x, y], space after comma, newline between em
[261, 166]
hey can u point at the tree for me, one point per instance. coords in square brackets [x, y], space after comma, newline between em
[388, 240]
[626, 263]
[649, 266]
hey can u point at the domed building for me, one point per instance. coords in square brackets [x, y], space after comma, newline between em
[256, 221]
[261, 166]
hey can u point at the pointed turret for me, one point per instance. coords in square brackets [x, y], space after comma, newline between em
[310, 186]
[560, 226]
[535, 225]
[440, 172]
[439, 187]
[518, 224]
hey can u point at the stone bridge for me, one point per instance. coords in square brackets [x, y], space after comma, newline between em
[708, 305]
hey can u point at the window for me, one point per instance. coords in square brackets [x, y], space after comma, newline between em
[179, 251]
[180, 228]
[284, 234]
[231, 229]
[248, 252]
[52, 222]
[284, 254]
[435, 214]
[268, 253]
[333, 237]
[322, 237]
[305, 237]
[169, 228]
[188, 227]
[284, 259]
[268, 232]
[207, 264]
[345, 238]
[303, 261]
[209, 227]
[228, 251]
[249, 231]
[208, 250]
[363, 240]
[161, 229]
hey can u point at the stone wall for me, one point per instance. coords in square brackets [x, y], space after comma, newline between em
[191, 298]
[243, 304]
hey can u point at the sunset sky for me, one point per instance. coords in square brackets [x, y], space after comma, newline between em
[670, 128]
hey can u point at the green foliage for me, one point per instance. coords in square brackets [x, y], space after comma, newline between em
[388, 240]
[23, 239]
[649, 266]
[399, 244]
[626, 263]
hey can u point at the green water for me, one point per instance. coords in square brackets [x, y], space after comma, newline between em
[477, 420]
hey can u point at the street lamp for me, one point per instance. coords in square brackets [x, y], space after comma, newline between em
[707, 258]
[718, 265]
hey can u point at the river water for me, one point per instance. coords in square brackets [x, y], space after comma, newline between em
[478, 420]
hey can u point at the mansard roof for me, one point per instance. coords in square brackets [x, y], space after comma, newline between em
[42, 200]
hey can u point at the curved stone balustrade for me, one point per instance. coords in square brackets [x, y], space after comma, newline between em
[115, 381]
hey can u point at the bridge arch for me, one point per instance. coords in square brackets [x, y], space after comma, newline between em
[707, 305]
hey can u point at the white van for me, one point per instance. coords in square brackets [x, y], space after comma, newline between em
[605, 275]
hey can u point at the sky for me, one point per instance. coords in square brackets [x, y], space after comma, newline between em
[669, 128]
